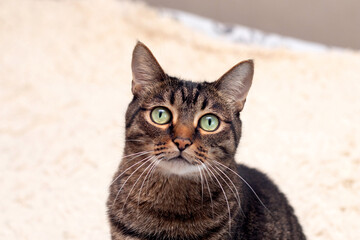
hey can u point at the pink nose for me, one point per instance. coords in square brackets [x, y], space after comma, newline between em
[182, 143]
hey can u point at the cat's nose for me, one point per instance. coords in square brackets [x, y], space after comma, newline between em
[182, 143]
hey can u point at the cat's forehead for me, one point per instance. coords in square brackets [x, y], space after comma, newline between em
[188, 98]
[186, 94]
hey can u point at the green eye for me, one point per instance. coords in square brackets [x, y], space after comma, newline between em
[209, 122]
[160, 115]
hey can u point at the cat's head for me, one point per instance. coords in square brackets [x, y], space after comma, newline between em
[184, 125]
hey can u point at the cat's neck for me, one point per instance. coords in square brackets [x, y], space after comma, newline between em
[183, 201]
[174, 193]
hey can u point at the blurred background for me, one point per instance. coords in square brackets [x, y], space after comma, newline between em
[330, 22]
[65, 83]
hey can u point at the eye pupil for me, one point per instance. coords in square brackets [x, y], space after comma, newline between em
[160, 115]
[209, 122]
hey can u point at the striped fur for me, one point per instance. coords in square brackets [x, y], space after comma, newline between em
[205, 194]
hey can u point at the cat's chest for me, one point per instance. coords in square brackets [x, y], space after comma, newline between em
[171, 209]
[168, 196]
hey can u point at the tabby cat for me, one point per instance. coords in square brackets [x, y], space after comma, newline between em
[178, 178]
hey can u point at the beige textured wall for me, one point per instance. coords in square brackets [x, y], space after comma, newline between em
[332, 22]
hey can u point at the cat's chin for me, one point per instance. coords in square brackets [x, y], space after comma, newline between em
[179, 166]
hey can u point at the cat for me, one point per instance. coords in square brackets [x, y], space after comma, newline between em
[178, 178]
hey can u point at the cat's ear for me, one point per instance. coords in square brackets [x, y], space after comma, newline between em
[145, 69]
[236, 82]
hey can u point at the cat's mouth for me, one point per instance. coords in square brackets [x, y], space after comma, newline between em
[179, 159]
[179, 166]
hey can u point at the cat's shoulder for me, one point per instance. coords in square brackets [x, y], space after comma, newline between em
[256, 178]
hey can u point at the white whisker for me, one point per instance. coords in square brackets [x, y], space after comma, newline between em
[245, 183]
[152, 173]
[152, 166]
[237, 196]
[225, 196]
[202, 186]
[147, 160]
[208, 187]
[137, 181]
[134, 140]
[123, 172]
[107, 163]
[137, 154]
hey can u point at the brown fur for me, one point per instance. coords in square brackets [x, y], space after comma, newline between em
[150, 201]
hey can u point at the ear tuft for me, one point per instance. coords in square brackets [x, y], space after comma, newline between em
[236, 82]
[145, 69]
